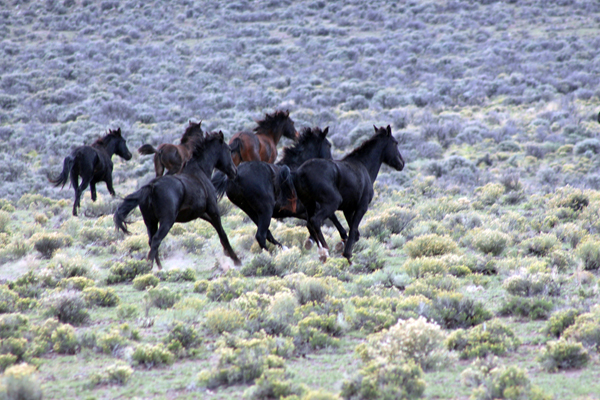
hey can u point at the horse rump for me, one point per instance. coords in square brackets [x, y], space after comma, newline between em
[129, 203]
[63, 178]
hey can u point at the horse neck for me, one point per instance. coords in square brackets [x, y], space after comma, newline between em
[371, 157]
[108, 144]
[205, 163]
[293, 159]
[274, 134]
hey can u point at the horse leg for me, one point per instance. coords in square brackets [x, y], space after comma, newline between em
[271, 239]
[165, 226]
[75, 184]
[109, 184]
[159, 168]
[353, 235]
[151, 228]
[339, 247]
[214, 219]
[93, 190]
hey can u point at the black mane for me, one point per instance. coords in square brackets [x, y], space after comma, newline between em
[193, 130]
[292, 153]
[362, 148]
[271, 121]
[202, 142]
[102, 141]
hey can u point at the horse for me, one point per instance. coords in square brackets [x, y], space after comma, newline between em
[182, 197]
[172, 156]
[94, 164]
[262, 145]
[264, 191]
[324, 186]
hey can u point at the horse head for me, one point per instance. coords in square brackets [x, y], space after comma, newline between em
[288, 128]
[224, 160]
[121, 144]
[391, 154]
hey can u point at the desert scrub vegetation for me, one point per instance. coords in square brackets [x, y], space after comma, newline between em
[430, 245]
[493, 337]
[563, 354]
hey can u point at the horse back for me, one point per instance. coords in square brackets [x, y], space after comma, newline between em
[246, 147]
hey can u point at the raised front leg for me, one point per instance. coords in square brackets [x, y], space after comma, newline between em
[109, 185]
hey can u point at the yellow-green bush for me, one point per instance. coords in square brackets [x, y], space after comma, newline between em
[493, 337]
[541, 245]
[561, 320]
[64, 340]
[423, 266]
[531, 284]
[141, 282]
[48, 243]
[589, 252]
[68, 306]
[490, 193]
[20, 382]
[101, 297]
[113, 374]
[162, 297]
[8, 299]
[563, 354]
[76, 283]
[152, 356]
[490, 241]
[430, 246]
[453, 310]
[586, 328]
[127, 271]
[534, 308]
[221, 319]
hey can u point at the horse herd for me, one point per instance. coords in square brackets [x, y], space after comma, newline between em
[306, 183]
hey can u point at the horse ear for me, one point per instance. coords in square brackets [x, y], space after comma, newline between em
[287, 113]
[325, 132]
[389, 130]
[200, 124]
[221, 137]
[375, 128]
[118, 132]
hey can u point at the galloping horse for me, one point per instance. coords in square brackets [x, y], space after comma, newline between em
[183, 197]
[324, 186]
[94, 164]
[262, 145]
[173, 156]
[264, 191]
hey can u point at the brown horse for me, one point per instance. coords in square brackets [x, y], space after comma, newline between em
[262, 145]
[173, 156]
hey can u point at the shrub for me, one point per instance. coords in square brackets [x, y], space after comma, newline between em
[563, 354]
[224, 289]
[6, 360]
[141, 282]
[379, 380]
[423, 266]
[589, 252]
[48, 243]
[493, 337]
[541, 245]
[532, 308]
[113, 374]
[489, 241]
[14, 346]
[162, 297]
[261, 264]
[310, 289]
[318, 330]
[4, 221]
[184, 334]
[64, 340]
[68, 306]
[411, 339]
[287, 261]
[500, 382]
[19, 382]
[430, 245]
[67, 267]
[369, 259]
[273, 384]
[391, 221]
[134, 243]
[490, 193]
[177, 275]
[76, 283]
[526, 284]
[221, 320]
[101, 297]
[586, 329]
[453, 310]
[8, 299]
[12, 325]
[127, 311]
[127, 271]
[110, 342]
[152, 356]
[561, 320]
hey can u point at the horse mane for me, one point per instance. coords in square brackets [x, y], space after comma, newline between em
[292, 152]
[202, 142]
[272, 120]
[102, 140]
[362, 148]
[193, 130]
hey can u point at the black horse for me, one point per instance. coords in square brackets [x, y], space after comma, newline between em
[324, 186]
[264, 191]
[182, 197]
[94, 164]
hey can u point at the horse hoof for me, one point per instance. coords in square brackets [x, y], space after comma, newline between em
[308, 244]
[339, 247]
[284, 248]
[323, 254]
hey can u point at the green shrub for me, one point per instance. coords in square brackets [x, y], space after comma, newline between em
[423, 266]
[48, 243]
[69, 267]
[489, 241]
[68, 306]
[6, 360]
[586, 329]
[393, 220]
[492, 337]
[411, 339]
[113, 374]
[101, 297]
[127, 271]
[318, 395]
[221, 320]
[201, 286]
[532, 308]
[8, 299]
[134, 243]
[430, 246]
[541, 245]
[162, 297]
[490, 193]
[287, 261]
[561, 320]
[141, 282]
[4, 221]
[589, 252]
[13, 325]
[374, 313]
[151, 356]
[310, 289]
[224, 289]
[177, 275]
[453, 310]
[527, 284]
[261, 264]
[20, 383]
[186, 335]
[127, 311]
[14, 346]
[381, 381]
[274, 383]
[368, 257]
[64, 340]
[459, 270]
[490, 381]
[96, 235]
[318, 331]
[76, 283]
[563, 354]
[112, 341]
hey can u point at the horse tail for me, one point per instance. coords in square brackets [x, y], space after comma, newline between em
[129, 203]
[219, 181]
[147, 149]
[63, 178]
[287, 190]
[236, 146]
